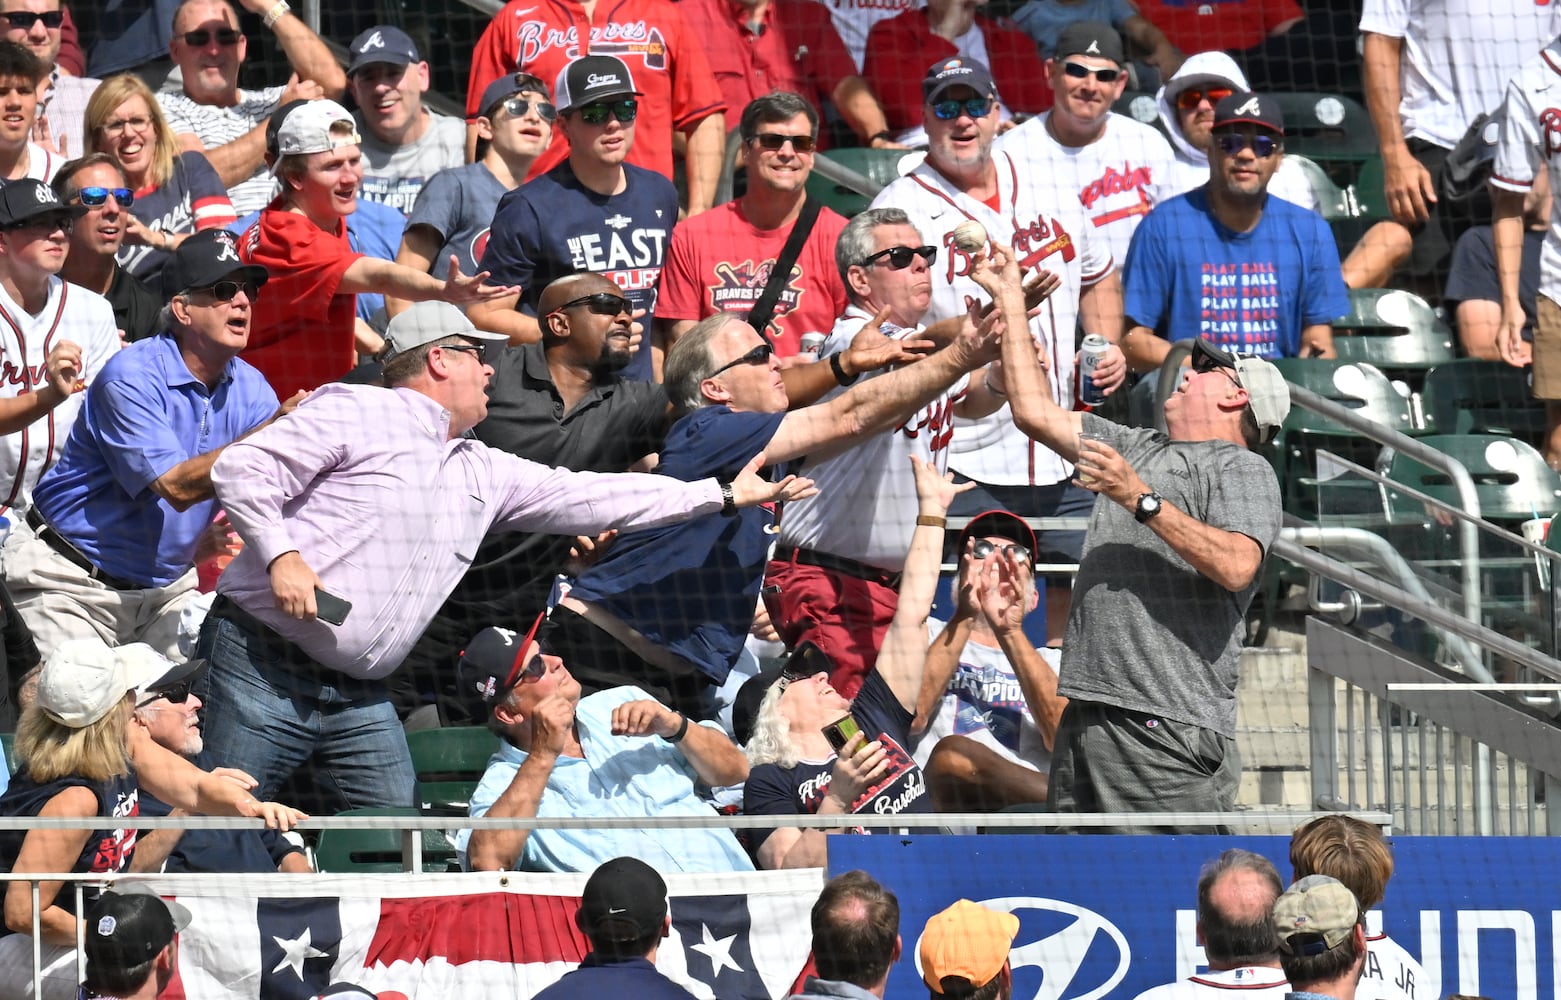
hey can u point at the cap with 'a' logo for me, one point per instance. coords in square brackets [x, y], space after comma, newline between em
[205, 258]
[27, 200]
[1090, 38]
[491, 663]
[591, 79]
[1252, 109]
[382, 44]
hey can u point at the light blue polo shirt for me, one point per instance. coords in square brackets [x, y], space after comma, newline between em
[634, 776]
[145, 413]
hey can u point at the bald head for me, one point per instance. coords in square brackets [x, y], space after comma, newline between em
[571, 287]
[1235, 898]
[191, 14]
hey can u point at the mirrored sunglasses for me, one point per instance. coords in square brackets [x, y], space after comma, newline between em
[92, 197]
[1190, 98]
[1262, 146]
[1079, 71]
[625, 110]
[981, 548]
[899, 258]
[975, 107]
[518, 106]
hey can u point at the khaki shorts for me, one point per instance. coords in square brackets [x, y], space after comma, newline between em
[1547, 349]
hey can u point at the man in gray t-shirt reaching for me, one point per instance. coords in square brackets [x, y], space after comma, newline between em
[1169, 568]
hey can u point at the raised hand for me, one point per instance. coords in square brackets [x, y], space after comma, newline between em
[750, 489]
[461, 289]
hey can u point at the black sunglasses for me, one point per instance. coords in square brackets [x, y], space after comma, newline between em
[92, 197]
[773, 141]
[225, 291]
[981, 548]
[601, 303]
[1231, 143]
[478, 351]
[532, 671]
[1079, 71]
[975, 107]
[758, 356]
[25, 19]
[47, 223]
[518, 106]
[201, 37]
[178, 694]
[900, 257]
[625, 110]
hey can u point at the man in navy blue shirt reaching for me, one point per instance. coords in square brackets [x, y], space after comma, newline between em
[593, 212]
[623, 912]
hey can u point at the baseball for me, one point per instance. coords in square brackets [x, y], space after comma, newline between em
[970, 236]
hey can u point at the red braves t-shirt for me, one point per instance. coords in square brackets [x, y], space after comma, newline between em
[292, 344]
[666, 61]
[1200, 25]
[719, 262]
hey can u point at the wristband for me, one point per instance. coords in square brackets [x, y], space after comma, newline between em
[840, 370]
[728, 501]
[885, 135]
[278, 10]
[677, 737]
[931, 521]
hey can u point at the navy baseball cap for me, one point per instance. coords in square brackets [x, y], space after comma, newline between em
[957, 71]
[1250, 109]
[490, 665]
[382, 44]
[508, 86]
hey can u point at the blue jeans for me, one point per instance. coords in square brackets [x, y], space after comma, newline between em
[270, 714]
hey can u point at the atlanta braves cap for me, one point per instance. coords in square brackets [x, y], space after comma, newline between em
[382, 43]
[490, 664]
[205, 258]
[27, 199]
[624, 900]
[1091, 38]
[1248, 108]
[592, 78]
[957, 72]
[129, 926]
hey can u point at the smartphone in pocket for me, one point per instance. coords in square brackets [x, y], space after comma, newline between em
[839, 732]
[329, 608]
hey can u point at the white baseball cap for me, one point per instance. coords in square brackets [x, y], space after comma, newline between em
[83, 679]
[307, 129]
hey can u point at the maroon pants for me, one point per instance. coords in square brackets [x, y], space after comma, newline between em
[845, 616]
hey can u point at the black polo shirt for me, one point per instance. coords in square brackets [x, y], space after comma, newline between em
[135, 307]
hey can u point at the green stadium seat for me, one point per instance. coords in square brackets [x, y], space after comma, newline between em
[1327, 128]
[1141, 106]
[1397, 331]
[881, 166]
[1511, 478]
[1474, 396]
[379, 850]
[1333, 202]
[448, 764]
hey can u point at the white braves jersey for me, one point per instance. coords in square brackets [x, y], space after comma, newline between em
[985, 703]
[1392, 974]
[1251, 982]
[1117, 178]
[866, 505]
[853, 19]
[1458, 56]
[70, 313]
[1530, 141]
[1047, 232]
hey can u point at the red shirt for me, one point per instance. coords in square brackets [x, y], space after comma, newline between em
[900, 50]
[797, 49]
[289, 342]
[667, 62]
[1218, 24]
[719, 262]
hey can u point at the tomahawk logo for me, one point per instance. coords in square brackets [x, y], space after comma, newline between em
[1252, 106]
[375, 41]
[1080, 955]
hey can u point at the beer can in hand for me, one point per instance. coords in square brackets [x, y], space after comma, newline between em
[1093, 349]
[811, 342]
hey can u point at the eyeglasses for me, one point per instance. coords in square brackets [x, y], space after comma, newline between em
[625, 110]
[25, 19]
[1262, 146]
[1189, 99]
[773, 141]
[92, 197]
[600, 303]
[975, 107]
[114, 129]
[518, 106]
[478, 351]
[900, 257]
[201, 37]
[178, 694]
[981, 548]
[1079, 71]
[226, 291]
[758, 356]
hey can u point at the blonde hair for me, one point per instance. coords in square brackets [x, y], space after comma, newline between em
[51, 750]
[771, 740]
[113, 92]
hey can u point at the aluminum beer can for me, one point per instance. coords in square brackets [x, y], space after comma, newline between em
[811, 342]
[1093, 349]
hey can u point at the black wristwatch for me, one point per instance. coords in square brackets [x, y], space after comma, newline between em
[1149, 504]
[839, 369]
[728, 501]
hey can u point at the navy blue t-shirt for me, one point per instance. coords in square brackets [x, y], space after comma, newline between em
[772, 790]
[221, 850]
[692, 587]
[600, 977]
[553, 226]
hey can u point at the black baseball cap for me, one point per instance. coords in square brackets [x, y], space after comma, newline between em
[128, 927]
[27, 199]
[490, 664]
[1091, 38]
[508, 86]
[804, 661]
[624, 900]
[205, 258]
[1248, 108]
[590, 79]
